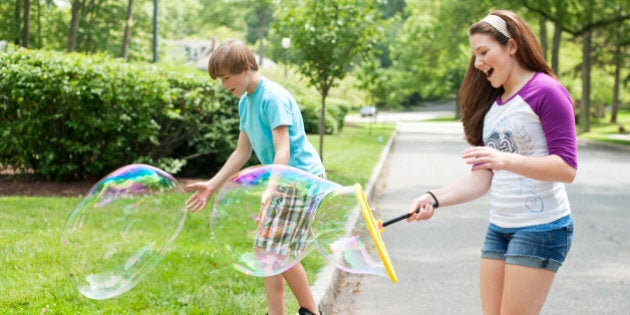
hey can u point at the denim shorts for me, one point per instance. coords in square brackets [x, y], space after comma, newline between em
[536, 249]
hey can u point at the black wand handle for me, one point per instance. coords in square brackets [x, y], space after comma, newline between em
[402, 217]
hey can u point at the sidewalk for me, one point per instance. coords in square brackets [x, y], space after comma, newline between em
[437, 261]
[420, 157]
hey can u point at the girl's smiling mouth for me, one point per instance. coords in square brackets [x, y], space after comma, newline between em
[488, 72]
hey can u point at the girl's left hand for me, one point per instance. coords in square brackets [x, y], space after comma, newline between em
[486, 158]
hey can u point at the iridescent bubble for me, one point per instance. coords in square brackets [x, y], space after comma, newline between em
[305, 212]
[122, 229]
[281, 236]
[348, 236]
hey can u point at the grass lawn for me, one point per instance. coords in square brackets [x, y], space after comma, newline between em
[603, 131]
[191, 279]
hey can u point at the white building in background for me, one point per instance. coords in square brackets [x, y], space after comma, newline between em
[197, 52]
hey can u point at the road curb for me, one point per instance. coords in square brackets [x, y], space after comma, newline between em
[324, 289]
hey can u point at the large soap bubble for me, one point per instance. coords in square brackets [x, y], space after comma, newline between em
[282, 236]
[306, 212]
[348, 235]
[122, 229]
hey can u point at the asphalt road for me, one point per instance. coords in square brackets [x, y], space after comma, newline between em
[437, 261]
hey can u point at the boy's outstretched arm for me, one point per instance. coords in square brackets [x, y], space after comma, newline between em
[204, 190]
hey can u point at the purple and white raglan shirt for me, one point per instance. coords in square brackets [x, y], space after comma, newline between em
[537, 121]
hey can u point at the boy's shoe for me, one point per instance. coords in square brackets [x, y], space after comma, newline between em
[304, 311]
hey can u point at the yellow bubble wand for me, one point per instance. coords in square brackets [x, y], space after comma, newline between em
[375, 232]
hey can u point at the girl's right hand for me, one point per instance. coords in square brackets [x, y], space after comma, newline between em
[422, 208]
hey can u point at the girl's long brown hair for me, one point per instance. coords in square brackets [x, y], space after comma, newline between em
[476, 95]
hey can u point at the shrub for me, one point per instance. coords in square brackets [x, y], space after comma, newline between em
[311, 110]
[70, 116]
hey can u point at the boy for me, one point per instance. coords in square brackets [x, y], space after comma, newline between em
[271, 125]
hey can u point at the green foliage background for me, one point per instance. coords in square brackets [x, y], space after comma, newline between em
[71, 116]
[76, 116]
[418, 51]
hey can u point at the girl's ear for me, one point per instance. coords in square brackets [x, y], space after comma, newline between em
[512, 46]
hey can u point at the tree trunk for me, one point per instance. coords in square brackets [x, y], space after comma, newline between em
[155, 30]
[89, 14]
[261, 51]
[38, 40]
[585, 116]
[74, 25]
[615, 101]
[17, 21]
[542, 21]
[127, 32]
[555, 48]
[322, 123]
[27, 24]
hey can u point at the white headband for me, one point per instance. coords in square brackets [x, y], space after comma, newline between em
[498, 24]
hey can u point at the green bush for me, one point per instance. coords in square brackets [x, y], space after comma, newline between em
[310, 102]
[70, 116]
[336, 111]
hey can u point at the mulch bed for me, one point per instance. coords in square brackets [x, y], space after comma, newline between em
[20, 185]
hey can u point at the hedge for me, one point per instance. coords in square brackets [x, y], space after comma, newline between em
[73, 116]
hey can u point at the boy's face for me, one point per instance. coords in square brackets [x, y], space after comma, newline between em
[235, 83]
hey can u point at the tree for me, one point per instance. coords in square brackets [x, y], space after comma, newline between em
[127, 32]
[586, 32]
[618, 57]
[74, 23]
[431, 50]
[15, 20]
[258, 20]
[614, 48]
[580, 20]
[27, 24]
[328, 37]
[374, 73]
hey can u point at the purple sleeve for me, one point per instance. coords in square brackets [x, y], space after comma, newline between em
[552, 103]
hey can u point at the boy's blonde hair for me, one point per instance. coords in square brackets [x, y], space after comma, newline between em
[231, 57]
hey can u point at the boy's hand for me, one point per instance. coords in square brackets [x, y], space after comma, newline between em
[265, 202]
[199, 199]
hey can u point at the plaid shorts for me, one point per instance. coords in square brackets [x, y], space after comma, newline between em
[286, 227]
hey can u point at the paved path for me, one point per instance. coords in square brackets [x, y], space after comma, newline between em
[437, 261]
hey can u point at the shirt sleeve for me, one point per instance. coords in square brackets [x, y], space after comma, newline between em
[278, 113]
[278, 108]
[555, 109]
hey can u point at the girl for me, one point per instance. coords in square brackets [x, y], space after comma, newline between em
[520, 120]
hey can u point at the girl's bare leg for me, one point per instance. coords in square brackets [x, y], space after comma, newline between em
[525, 289]
[513, 289]
[491, 285]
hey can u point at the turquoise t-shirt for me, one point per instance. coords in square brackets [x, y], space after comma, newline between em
[271, 106]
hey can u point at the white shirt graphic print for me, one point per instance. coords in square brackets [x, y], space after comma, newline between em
[516, 200]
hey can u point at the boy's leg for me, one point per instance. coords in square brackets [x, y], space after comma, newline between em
[274, 287]
[296, 278]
